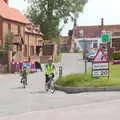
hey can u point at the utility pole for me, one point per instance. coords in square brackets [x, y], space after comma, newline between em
[84, 51]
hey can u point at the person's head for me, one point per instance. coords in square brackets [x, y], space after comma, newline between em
[24, 68]
[50, 60]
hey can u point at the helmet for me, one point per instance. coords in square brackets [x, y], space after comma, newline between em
[24, 67]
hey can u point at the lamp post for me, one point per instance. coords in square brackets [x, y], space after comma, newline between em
[84, 50]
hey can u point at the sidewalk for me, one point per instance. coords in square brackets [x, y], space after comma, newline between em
[9, 75]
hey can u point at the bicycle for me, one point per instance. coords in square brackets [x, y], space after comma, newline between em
[24, 81]
[50, 86]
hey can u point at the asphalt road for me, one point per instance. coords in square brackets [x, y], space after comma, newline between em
[33, 103]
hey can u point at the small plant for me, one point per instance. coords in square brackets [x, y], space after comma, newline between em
[116, 55]
[8, 41]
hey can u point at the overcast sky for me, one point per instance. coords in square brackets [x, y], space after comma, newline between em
[94, 10]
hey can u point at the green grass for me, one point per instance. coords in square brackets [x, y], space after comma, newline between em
[82, 80]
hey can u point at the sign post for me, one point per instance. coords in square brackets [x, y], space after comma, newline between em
[100, 65]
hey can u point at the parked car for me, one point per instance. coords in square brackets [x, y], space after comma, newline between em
[91, 54]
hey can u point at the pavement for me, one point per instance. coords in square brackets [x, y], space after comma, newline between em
[33, 103]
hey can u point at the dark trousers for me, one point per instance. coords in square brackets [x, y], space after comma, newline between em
[47, 77]
[24, 77]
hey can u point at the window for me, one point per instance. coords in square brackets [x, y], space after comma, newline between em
[95, 45]
[25, 51]
[19, 31]
[31, 50]
[9, 27]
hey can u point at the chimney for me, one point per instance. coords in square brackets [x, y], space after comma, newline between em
[102, 22]
[6, 1]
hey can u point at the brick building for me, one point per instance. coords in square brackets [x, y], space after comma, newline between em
[22, 30]
[92, 35]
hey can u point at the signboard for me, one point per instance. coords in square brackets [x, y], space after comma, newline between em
[98, 73]
[106, 38]
[100, 65]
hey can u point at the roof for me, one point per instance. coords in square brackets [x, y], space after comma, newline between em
[12, 14]
[95, 31]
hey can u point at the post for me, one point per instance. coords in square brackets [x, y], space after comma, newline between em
[60, 72]
[84, 50]
[85, 61]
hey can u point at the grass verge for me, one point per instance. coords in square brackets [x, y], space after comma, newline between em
[83, 80]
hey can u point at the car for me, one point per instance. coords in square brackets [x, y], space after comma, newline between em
[91, 54]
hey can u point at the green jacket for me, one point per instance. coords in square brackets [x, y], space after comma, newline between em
[49, 68]
[24, 72]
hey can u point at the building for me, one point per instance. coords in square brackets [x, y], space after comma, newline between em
[64, 43]
[67, 43]
[26, 39]
[33, 42]
[90, 36]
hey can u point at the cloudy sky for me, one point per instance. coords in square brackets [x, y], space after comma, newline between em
[94, 10]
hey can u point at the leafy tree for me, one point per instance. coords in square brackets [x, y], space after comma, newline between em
[48, 13]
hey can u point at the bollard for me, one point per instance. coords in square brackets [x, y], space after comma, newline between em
[60, 72]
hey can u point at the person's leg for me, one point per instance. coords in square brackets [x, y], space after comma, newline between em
[46, 78]
[26, 79]
[21, 79]
[53, 75]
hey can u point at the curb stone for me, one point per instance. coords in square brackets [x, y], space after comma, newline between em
[73, 90]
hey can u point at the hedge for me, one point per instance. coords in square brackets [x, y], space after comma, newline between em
[116, 55]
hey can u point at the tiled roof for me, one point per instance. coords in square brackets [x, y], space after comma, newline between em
[95, 31]
[12, 14]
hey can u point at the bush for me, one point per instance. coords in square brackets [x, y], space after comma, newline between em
[116, 55]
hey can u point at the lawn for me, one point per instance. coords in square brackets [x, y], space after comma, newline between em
[82, 80]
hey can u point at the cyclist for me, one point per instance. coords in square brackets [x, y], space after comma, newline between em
[24, 73]
[49, 69]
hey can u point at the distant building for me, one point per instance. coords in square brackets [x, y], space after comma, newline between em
[91, 35]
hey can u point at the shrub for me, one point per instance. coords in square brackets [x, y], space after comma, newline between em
[116, 55]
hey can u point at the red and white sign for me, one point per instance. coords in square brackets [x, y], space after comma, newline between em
[100, 57]
[100, 65]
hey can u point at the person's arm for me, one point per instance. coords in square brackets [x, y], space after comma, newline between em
[54, 69]
[41, 68]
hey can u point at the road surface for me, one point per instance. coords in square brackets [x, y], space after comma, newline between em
[33, 103]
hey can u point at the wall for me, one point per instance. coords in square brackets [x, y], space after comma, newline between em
[1, 27]
[13, 28]
[18, 32]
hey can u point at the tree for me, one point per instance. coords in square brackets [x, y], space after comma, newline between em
[48, 13]
[8, 41]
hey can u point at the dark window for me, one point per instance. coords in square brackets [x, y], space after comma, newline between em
[25, 51]
[94, 45]
[31, 50]
[9, 27]
[19, 31]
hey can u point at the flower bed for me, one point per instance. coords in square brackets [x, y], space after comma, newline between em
[116, 61]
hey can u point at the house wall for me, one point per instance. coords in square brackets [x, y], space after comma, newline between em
[1, 31]
[31, 41]
[14, 28]
[17, 29]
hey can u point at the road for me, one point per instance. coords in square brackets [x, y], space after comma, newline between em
[33, 103]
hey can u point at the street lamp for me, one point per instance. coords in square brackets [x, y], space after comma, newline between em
[84, 50]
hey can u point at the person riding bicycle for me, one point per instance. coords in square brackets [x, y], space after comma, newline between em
[24, 73]
[49, 69]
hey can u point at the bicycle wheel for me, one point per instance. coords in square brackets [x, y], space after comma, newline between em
[46, 87]
[24, 83]
[52, 87]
